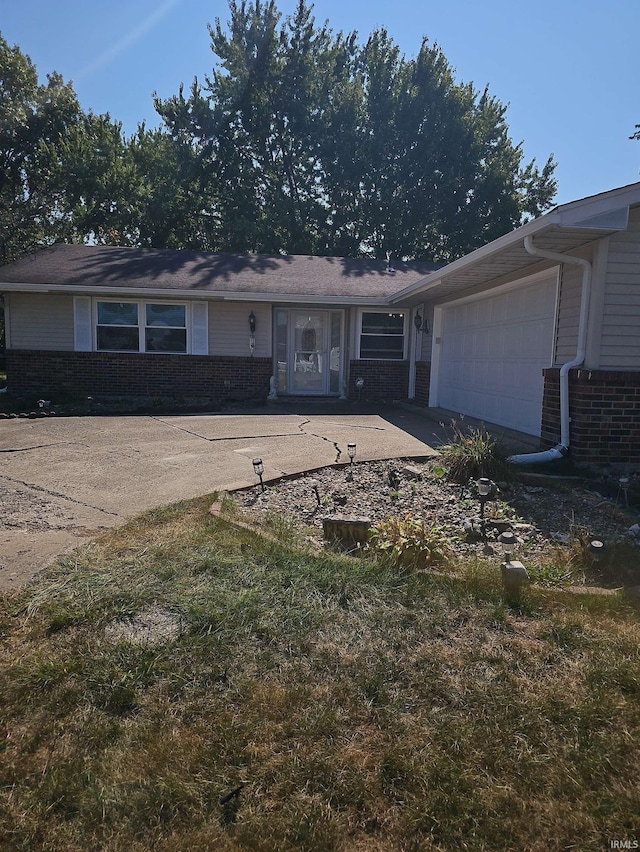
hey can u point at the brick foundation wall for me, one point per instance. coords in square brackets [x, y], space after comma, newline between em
[423, 381]
[45, 373]
[383, 380]
[604, 407]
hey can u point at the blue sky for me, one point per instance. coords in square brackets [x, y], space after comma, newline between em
[569, 70]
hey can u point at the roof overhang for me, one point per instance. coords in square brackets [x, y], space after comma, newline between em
[164, 293]
[564, 229]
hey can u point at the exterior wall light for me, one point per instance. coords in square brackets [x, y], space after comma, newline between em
[258, 469]
[418, 321]
[252, 332]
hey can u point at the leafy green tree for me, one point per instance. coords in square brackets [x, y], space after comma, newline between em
[34, 118]
[317, 144]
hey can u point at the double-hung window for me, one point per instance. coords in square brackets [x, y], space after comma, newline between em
[141, 327]
[382, 336]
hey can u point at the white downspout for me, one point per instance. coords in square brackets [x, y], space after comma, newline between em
[562, 448]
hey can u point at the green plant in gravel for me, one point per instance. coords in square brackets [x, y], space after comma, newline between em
[409, 542]
[473, 454]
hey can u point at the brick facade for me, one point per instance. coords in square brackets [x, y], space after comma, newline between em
[31, 372]
[423, 381]
[604, 407]
[383, 380]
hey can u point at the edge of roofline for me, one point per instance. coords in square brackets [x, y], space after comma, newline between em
[190, 295]
[495, 247]
[608, 211]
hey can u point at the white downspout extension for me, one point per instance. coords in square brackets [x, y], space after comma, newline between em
[562, 448]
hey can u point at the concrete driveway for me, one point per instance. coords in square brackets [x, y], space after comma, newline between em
[65, 479]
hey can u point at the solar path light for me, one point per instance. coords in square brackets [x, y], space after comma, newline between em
[514, 574]
[258, 469]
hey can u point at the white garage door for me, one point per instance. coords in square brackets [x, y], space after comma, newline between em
[493, 351]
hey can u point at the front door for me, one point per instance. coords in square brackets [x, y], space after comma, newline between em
[308, 351]
[309, 365]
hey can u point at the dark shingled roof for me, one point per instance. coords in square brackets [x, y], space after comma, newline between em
[294, 275]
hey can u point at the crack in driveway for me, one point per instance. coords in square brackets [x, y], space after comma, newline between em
[42, 447]
[322, 437]
[57, 494]
[225, 437]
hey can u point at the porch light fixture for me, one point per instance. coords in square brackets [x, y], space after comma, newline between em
[258, 469]
[252, 332]
[418, 322]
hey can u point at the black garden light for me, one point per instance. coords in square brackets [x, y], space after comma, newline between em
[314, 485]
[508, 540]
[258, 469]
[596, 549]
[351, 452]
[486, 491]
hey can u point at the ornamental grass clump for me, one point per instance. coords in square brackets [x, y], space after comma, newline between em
[408, 542]
[474, 454]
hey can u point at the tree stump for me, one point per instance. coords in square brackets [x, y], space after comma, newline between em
[348, 533]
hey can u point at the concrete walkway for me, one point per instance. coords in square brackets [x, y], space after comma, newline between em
[65, 479]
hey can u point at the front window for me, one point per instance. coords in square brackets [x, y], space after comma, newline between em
[382, 336]
[141, 327]
[166, 328]
[118, 327]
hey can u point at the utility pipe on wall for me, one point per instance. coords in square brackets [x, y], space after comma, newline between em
[562, 448]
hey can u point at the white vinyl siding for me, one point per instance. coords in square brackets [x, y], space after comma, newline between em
[40, 321]
[568, 313]
[620, 340]
[229, 328]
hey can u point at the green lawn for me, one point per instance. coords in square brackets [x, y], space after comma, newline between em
[157, 670]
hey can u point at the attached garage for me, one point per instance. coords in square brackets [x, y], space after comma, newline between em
[490, 351]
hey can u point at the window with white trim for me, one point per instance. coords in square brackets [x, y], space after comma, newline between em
[382, 336]
[141, 327]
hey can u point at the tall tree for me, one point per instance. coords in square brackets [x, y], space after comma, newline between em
[319, 144]
[34, 118]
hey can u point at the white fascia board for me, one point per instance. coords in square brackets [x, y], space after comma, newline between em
[604, 204]
[191, 295]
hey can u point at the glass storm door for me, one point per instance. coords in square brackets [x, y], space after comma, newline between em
[309, 365]
[308, 351]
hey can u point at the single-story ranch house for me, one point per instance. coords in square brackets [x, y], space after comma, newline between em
[538, 331]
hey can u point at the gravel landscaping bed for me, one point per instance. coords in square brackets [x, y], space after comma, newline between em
[545, 519]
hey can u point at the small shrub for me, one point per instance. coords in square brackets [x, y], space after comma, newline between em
[408, 542]
[472, 455]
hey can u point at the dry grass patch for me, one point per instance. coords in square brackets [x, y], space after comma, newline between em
[308, 701]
